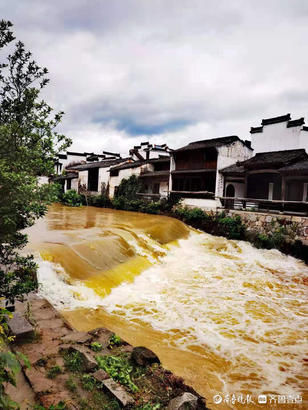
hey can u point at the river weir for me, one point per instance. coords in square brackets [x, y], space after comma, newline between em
[227, 317]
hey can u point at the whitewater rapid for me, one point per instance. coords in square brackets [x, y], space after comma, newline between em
[245, 305]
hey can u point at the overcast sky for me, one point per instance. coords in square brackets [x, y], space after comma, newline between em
[174, 71]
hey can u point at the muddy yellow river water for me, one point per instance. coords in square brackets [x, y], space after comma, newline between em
[230, 319]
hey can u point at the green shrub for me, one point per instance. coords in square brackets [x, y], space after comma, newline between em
[119, 369]
[88, 382]
[263, 241]
[53, 372]
[59, 406]
[152, 207]
[129, 188]
[73, 361]
[115, 340]
[118, 202]
[150, 406]
[231, 226]
[70, 384]
[72, 198]
[96, 347]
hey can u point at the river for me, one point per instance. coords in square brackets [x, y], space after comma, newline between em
[228, 318]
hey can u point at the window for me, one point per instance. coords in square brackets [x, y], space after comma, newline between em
[155, 188]
[93, 179]
[68, 184]
[114, 172]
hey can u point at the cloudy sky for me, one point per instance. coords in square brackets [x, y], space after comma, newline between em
[172, 71]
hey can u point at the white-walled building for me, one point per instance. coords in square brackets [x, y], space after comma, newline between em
[279, 134]
[153, 173]
[195, 169]
[150, 163]
[276, 177]
[70, 158]
[146, 151]
[93, 177]
[69, 181]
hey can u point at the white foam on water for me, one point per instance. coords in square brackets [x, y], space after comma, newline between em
[61, 291]
[244, 304]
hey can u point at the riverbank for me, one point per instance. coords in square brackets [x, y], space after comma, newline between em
[207, 306]
[94, 370]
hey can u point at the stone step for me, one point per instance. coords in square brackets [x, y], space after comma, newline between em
[118, 392]
[20, 328]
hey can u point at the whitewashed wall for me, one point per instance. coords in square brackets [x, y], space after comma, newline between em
[74, 185]
[229, 155]
[239, 189]
[103, 179]
[164, 188]
[123, 173]
[83, 178]
[277, 137]
[69, 160]
[206, 204]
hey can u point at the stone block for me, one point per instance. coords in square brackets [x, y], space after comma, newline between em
[184, 401]
[20, 327]
[76, 337]
[297, 219]
[101, 336]
[143, 356]
[118, 392]
[100, 375]
[38, 382]
[89, 363]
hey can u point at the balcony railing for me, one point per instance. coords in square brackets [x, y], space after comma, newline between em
[194, 194]
[265, 205]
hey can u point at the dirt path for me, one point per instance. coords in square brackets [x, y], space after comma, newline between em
[64, 368]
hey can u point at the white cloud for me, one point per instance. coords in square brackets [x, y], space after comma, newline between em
[175, 70]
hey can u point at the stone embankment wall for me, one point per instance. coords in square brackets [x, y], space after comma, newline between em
[295, 227]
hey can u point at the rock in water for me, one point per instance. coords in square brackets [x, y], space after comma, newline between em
[144, 357]
[183, 402]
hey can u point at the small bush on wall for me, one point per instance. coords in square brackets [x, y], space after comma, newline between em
[72, 198]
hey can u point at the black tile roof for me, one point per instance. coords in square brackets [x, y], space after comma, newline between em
[106, 163]
[301, 166]
[211, 143]
[296, 123]
[136, 164]
[274, 159]
[160, 159]
[155, 174]
[263, 160]
[276, 120]
[127, 165]
[69, 175]
[235, 169]
[255, 130]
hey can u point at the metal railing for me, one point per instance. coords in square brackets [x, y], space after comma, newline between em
[265, 205]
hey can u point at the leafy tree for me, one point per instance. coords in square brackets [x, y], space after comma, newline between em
[28, 144]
